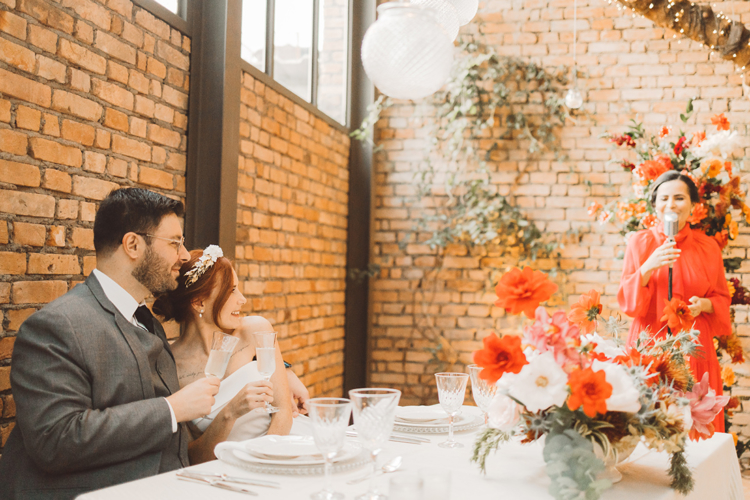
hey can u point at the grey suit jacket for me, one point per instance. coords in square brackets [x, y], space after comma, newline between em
[86, 412]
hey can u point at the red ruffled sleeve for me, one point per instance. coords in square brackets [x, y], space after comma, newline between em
[634, 299]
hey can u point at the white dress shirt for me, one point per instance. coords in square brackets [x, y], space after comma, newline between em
[126, 304]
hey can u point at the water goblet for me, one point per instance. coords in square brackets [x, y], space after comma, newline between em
[222, 346]
[265, 352]
[374, 411]
[451, 392]
[481, 390]
[330, 418]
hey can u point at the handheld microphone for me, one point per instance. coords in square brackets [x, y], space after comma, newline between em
[671, 222]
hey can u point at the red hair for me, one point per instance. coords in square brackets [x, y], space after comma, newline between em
[177, 304]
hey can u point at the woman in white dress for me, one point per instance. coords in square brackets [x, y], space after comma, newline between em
[207, 300]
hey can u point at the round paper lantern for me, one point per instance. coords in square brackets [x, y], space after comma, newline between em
[406, 53]
[446, 14]
[466, 9]
[574, 99]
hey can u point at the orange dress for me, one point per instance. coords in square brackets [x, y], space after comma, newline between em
[698, 271]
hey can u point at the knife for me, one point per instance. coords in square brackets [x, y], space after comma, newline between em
[216, 483]
[228, 479]
[395, 439]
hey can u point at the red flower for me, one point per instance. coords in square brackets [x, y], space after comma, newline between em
[627, 165]
[677, 315]
[664, 132]
[522, 291]
[699, 213]
[590, 389]
[722, 238]
[650, 170]
[623, 139]
[649, 220]
[680, 146]
[720, 121]
[500, 355]
[584, 312]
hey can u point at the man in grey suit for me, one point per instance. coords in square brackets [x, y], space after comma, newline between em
[94, 380]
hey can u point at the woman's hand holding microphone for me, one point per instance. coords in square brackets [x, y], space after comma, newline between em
[665, 255]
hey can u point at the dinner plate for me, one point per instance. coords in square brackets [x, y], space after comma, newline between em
[470, 418]
[349, 450]
[421, 414]
[283, 447]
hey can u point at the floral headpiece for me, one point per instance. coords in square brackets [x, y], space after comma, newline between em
[210, 255]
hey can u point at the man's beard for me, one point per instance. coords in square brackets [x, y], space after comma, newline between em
[155, 273]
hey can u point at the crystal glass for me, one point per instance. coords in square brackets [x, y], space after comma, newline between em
[222, 346]
[451, 392]
[446, 15]
[265, 352]
[481, 390]
[374, 411]
[330, 418]
[406, 487]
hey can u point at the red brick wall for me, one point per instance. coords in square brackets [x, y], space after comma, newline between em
[291, 235]
[93, 95]
[634, 70]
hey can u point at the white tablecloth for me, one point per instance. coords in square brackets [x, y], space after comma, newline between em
[515, 472]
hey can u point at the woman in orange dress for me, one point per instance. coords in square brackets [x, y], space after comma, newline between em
[698, 278]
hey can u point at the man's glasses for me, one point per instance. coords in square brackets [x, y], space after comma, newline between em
[176, 244]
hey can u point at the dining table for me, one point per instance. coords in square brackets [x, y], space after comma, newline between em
[514, 471]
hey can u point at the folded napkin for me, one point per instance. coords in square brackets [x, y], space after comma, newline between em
[228, 389]
[421, 414]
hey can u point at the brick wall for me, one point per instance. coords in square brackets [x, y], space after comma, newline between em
[291, 235]
[634, 70]
[93, 95]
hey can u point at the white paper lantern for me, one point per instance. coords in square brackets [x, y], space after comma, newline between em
[406, 53]
[574, 99]
[466, 9]
[446, 14]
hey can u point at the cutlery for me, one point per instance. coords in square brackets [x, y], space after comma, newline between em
[218, 484]
[229, 479]
[395, 439]
[392, 465]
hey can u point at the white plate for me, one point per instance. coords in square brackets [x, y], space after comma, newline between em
[421, 414]
[469, 419]
[350, 450]
[281, 447]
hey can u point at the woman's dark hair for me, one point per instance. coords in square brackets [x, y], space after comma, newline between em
[674, 175]
[177, 304]
[130, 210]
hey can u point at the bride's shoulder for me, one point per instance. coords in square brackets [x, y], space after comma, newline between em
[253, 324]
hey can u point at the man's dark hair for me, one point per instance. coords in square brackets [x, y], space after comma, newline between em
[674, 175]
[130, 210]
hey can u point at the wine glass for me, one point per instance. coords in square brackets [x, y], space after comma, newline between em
[374, 411]
[481, 390]
[265, 353]
[451, 391]
[330, 418]
[222, 346]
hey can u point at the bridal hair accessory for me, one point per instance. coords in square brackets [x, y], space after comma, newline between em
[210, 255]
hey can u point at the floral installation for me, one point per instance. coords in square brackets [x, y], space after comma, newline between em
[592, 399]
[210, 255]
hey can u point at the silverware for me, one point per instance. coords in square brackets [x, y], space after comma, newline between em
[394, 438]
[392, 465]
[228, 479]
[217, 483]
[410, 436]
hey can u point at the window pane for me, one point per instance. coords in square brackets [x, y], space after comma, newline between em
[254, 33]
[293, 23]
[332, 58]
[171, 5]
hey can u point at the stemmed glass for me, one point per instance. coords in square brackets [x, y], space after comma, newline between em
[222, 346]
[374, 411]
[330, 418]
[451, 391]
[265, 352]
[481, 390]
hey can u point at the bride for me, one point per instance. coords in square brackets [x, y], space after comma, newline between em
[206, 300]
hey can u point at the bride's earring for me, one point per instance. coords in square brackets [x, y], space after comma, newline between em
[200, 314]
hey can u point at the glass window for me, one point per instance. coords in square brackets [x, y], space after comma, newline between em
[293, 26]
[254, 33]
[171, 5]
[332, 58]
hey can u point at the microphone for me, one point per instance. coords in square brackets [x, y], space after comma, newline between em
[671, 222]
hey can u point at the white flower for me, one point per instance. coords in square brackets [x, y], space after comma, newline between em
[503, 413]
[625, 396]
[603, 346]
[721, 143]
[213, 252]
[540, 384]
[687, 418]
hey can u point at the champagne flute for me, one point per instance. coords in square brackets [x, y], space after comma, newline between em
[330, 418]
[481, 390]
[374, 411]
[222, 346]
[265, 352]
[451, 392]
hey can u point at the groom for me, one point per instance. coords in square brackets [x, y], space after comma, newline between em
[93, 378]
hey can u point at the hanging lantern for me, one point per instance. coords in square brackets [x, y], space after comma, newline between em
[406, 53]
[466, 9]
[574, 99]
[446, 14]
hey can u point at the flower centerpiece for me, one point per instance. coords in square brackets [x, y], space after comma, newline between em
[590, 398]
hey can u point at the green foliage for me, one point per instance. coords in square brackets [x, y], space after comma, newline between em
[732, 264]
[682, 479]
[358, 276]
[573, 466]
[487, 441]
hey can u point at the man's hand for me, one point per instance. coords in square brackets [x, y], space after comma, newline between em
[300, 395]
[194, 400]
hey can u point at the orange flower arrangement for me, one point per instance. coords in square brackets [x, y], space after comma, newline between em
[711, 167]
[677, 315]
[500, 355]
[722, 238]
[699, 213]
[523, 291]
[698, 137]
[650, 170]
[590, 389]
[584, 312]
[720, 121]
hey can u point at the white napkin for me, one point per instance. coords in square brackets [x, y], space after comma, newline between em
[228, 389]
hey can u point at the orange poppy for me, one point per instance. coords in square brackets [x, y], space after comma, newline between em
[720, 121]
[522, 291]
[664, 132]
[584, 312]
[699, 213]
[500, 355]
[698, 137]
[677, 315]
[649, 220]
[590, 389]
[650, 170]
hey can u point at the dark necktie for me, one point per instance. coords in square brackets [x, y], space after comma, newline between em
[144, 317]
